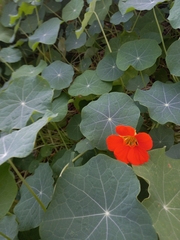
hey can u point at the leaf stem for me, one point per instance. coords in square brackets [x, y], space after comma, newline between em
[110, 50]
[55, 125]
[27, 185]
[5, 236]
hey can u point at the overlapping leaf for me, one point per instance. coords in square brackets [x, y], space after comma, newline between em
[140, 54]
[162, 101]
[163, 203]
[9, 227]
[28, 211]
[174, 15]
[173, 58]
[20, 143]
[23, 97]
[100, 117]
[97, 201]
[89, 83]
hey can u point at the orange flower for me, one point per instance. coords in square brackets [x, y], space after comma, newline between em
[128, 146]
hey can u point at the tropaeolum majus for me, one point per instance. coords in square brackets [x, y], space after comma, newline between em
[129, 146]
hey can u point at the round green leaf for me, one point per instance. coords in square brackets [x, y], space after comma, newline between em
[23, 97]
[46, 33]
[73, 43]
[9, 227]
[162, 101]
[83, 146]
[8, 190]
[118, 18]
[162, 137]
[164, 193]
[28, 211]
[73, 130]
[173, 58]
[100, 117]
[107, 69]
[95, 27]
[88, 83]
[140, 54]
[97, 201]
[72, 10]
[58, 74]
[10, 55]
[9, 9]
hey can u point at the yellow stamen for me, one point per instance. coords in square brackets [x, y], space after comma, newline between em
[130, 141]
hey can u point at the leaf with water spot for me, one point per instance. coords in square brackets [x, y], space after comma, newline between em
[97, 201]
[162, 101]
[163, 203]
[23, 97]
[110, 110]
[28, 211]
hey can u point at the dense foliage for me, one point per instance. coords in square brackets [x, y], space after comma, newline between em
[70, 72]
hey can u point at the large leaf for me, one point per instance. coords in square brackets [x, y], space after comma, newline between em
[8, 189]
[58, 74]
[28, 211]
[23, 97]
[100, 117]
[46, 33]
[174, 15]
[72, 10]
[173, 58]
[162, 101]
[9, 227]
[20, 143]
[140, 54]
[130, 5]
[163, 203]
[97, 201]
[89, 83]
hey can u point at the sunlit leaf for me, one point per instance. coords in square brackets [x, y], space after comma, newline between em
[20, 143]
[9, 227]
[173, 58]
[23, 97]
[88, 83]
[46, 33]
[162, 101]
[58, 74]
[174, 15]
[130, 5]
[72, 10]
[10, 55]
[107, 69]
[97, 201]
[100, 117]
[140, 54]
[8, 190]
[28, 211]
[163, 203]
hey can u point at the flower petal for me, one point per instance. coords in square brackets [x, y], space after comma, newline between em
[113, 142]
[144, 140]
[121, 153]
[125, 130]
[137, 156]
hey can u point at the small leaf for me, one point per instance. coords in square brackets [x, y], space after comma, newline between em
[162, 137]
[58, 74]
[107, 69]
[174, 152]
[8, 190]
[10, 55]
[88, 83]
[8, 10]
[73, 130]
[162, 101]
[130, 5]
[72, 42]
[20, 143]
[95, 28]
[140, 54]
[110, 110]
[97, 201]
[46, 33]
[28, 211]
[5, 34]
[164, 193]
[72, 10]
[60, 107]
[173, 58]
[83, 146]
[118, 18]
[9, 227]
[23, 97]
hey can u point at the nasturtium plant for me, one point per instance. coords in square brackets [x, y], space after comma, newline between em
[89, 119]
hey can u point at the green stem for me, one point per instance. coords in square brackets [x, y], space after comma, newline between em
[27, 185]
[50, 136]
[6, 237]
[54, 124]
[132, 29]
[9, 66]
[142, 77]
[110, 50]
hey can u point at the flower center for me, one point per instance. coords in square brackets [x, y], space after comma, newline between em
[130, 141]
